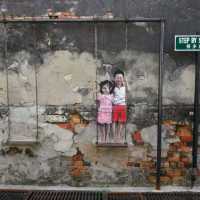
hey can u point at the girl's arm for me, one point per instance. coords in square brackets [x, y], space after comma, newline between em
[98, 100]
[112, 87]
[126, 89]
[126, 84]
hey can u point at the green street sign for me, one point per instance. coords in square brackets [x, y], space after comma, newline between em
[187, 42]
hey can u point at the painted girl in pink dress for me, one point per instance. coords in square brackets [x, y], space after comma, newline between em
[104, 115]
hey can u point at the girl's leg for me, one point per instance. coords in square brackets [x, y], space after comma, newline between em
[114, 129]
[106, 133]
[109, 133]
[101, 128]
[120, 133]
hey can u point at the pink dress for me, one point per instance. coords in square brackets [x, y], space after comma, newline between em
[105, 109]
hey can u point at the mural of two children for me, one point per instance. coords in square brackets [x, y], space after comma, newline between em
[112, 110]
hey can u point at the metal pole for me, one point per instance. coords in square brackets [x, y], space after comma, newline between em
[195, 120]
[68, 20]
[160, 91]
[96, 55]
[36, 86]
[126, 47]
[7, 79]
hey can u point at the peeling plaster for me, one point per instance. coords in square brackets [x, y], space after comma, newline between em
[55, 90]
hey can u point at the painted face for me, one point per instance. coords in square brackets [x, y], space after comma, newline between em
[119, 79]
[105, 89]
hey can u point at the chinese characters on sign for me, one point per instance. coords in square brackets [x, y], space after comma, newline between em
[187, 42]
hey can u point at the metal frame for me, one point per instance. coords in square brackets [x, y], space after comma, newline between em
[35, 20]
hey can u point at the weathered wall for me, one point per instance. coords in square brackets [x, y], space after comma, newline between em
[48, 94]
